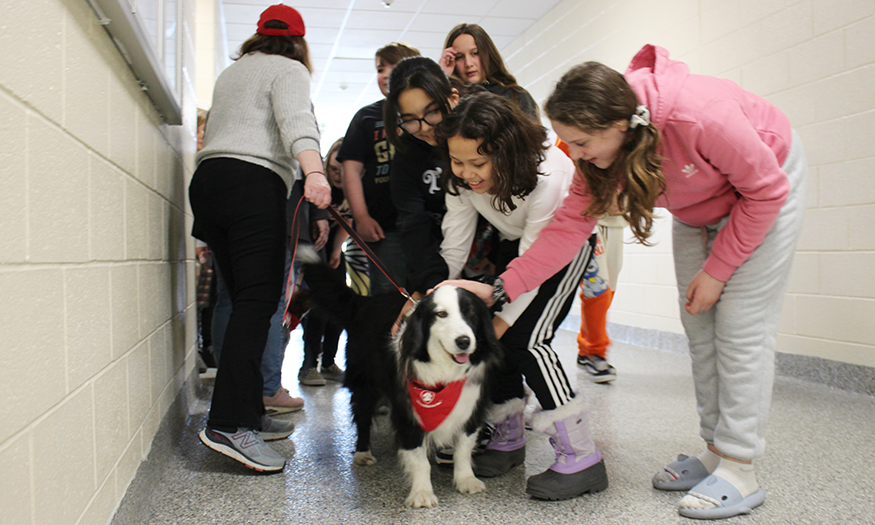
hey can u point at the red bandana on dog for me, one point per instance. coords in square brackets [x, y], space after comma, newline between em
[433, 405]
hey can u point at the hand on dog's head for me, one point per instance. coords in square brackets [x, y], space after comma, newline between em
[445, 310]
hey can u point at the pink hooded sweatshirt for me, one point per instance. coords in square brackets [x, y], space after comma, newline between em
[722, 150]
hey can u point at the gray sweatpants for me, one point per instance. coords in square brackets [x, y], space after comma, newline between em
[732, 346]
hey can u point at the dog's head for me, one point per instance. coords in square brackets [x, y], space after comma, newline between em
[448, 336]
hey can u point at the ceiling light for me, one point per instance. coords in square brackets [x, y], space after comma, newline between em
[386, 3]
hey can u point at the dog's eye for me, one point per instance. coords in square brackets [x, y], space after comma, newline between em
[441, 314]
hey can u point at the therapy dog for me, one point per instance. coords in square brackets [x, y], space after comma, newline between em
[435, 373]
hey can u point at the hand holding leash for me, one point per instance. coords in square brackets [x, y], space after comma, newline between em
[317, 190]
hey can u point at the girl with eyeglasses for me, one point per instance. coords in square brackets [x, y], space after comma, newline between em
[420, 97]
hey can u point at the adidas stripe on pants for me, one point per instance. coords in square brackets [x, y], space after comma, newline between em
[527, 344]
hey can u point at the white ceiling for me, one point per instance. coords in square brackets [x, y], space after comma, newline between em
[343, 36]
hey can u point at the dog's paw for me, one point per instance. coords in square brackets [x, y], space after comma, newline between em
[470, 485]
[364, 459]
[421, 498]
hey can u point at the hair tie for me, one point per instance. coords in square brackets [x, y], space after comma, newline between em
[641, 116]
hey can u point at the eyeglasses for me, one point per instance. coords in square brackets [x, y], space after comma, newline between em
[414, 125]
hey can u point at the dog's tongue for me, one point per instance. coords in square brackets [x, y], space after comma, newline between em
[461, 358]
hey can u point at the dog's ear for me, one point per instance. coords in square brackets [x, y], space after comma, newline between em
[483, 328]
[414, 339]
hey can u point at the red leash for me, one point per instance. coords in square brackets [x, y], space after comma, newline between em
[290, 283]
[296, 226]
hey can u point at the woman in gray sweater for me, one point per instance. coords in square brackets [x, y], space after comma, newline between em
[261, 128]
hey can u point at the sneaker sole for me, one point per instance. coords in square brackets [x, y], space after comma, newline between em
[595, 375]
[275, 436]
[312, 383]
[233, 454]
[276, 410]
[443, 460]
[603, 379]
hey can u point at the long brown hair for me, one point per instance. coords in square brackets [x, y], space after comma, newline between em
[294, 47]
[513, 141]
[593, 97]
[491, 64]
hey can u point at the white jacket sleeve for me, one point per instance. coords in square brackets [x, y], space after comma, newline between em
[459, 227]
[542, 204]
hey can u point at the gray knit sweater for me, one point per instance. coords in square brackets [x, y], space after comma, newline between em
[261, 114]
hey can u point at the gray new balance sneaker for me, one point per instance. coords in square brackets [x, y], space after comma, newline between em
[246, 446]
[274, 429]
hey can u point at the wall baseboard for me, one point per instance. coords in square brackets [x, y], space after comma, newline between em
[835, 374]
[136, 502]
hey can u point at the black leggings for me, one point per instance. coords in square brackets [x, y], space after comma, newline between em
[240, 212]
[527, 344]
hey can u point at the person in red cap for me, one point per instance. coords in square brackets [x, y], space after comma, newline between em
[281, 20]
[260, 131]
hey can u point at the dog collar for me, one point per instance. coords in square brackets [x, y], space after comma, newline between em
[432, 405]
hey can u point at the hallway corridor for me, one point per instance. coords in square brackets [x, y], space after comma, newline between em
[818, 467]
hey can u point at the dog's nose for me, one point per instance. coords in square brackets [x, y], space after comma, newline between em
[463, 342]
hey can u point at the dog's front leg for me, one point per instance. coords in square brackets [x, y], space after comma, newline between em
[463, 473]
[416, 466]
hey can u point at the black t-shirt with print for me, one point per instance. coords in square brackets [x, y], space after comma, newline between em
[365, 142]
[419, 199]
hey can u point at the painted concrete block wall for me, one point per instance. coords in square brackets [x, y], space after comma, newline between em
[815, 59]
[97, 289]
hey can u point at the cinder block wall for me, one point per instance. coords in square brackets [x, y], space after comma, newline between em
[96, 288]
[815, 59]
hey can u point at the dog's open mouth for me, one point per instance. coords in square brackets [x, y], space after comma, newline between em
[461, 358]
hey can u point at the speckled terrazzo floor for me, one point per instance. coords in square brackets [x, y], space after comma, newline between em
[820, 465]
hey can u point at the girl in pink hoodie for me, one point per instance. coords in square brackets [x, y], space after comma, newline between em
[731, 171]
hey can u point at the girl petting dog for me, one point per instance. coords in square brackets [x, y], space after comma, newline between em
[728, 166]
[503, 172]
[421, 100]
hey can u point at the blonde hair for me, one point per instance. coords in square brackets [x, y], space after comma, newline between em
[202, 115]
[593, 97]
[334, 147]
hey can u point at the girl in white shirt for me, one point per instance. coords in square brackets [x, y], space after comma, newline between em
[503, 170]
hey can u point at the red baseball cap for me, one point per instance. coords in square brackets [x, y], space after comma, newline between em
[283, 13]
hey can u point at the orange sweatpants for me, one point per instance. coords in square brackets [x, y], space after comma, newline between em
[593, 337]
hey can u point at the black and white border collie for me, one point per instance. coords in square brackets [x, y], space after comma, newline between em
[446, 352]
[435, 373]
